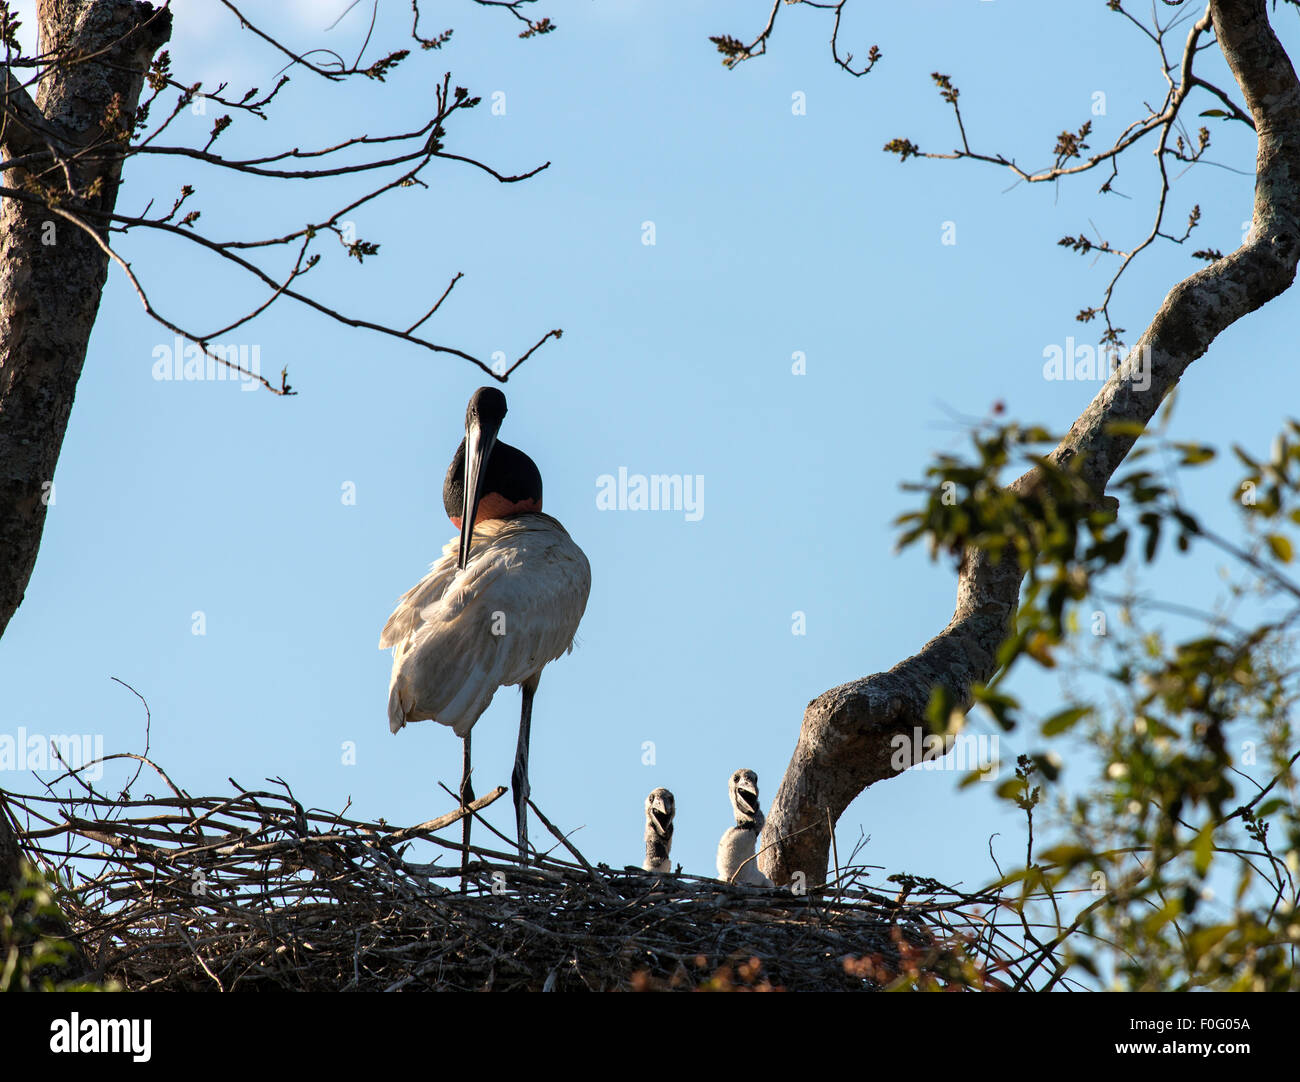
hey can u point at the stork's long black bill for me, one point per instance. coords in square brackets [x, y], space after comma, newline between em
[479, 442]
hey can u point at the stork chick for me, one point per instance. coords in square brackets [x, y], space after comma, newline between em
[740, 842]
[660, 807]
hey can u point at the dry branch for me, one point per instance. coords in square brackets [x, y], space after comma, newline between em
[253, 891]
[101, 92]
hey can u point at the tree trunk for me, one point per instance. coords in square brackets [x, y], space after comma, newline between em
[51, 272]
[845, 743]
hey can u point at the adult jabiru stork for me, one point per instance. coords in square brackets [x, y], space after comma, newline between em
[504, 600]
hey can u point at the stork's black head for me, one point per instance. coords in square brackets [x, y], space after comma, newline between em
[487, 406]
[487, 479]
[744, 795]
[660, 807]
[510, 474]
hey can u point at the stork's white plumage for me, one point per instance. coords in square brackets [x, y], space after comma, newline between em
[660, 807]
[740, 842]
[504, 600]
[457, 636]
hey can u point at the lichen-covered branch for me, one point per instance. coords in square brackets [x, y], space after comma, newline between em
[845, 742]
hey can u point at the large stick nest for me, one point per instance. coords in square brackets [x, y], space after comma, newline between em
[252, 891]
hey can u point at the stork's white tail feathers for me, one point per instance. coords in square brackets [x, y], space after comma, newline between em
[396, 708]
[459, 635]
[406, 617]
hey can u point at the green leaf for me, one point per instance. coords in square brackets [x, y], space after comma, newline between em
[1065, 720]
[1171, 910]
[1065, 854]
[939, 710]
[1194, 453]
[1280, 546]
[1203, 849]
[972, 777]
[1153, 537]
[997, 703]
[1125, 428]
[1203, 939]
[1216, 112]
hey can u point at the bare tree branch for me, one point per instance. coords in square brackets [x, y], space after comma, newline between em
[1165, 123]
[734, 51]
[79, 111]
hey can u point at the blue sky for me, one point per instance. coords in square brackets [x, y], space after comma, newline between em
[775, 234]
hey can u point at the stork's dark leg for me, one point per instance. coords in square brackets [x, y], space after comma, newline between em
[466, 796]
[519, 779]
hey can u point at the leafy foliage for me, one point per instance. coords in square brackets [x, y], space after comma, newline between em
[732, 49]
[9, 24]
[1175, 838]
[31, 958]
